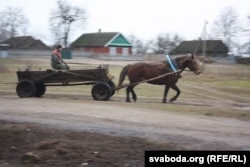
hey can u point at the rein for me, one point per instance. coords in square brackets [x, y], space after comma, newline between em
[187, 70]
[147, 80]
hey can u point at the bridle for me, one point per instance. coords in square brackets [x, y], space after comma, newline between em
[193, 60]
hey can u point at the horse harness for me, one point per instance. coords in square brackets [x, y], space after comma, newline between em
[172, 63]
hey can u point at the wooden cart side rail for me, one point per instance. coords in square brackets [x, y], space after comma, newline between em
[72, 84]
[47, 76]
[81, 76]
[22, 74]
[147, 80]
[66, 76]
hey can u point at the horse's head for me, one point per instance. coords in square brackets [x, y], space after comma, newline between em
[189, 61]
[193, 64]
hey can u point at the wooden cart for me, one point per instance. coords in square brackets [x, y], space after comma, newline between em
[33, 83]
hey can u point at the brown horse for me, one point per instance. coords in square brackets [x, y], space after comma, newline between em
[143, 71]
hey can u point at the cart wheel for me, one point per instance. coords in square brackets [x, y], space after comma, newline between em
[112, 86]
[101, 91]
[40, 89]
[26, 88]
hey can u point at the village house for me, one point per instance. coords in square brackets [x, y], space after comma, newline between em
[111, 43]
[25, 42]
[213, 48]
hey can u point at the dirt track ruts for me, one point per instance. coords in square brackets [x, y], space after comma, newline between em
[195, 132]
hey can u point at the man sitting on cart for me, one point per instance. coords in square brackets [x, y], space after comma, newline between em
[57, 62]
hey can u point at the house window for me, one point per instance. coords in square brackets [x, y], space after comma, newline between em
[125, 51]
[112, 51]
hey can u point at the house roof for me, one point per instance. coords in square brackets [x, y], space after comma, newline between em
[196, 46]
[101, 39]
[25, 42]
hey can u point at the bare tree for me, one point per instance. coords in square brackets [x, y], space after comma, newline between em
[139, 47]
[226, 27]
[63, 18]
[166, 43]
[12, 23]
[246, 33]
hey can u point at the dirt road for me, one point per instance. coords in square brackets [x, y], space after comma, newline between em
[196, 132]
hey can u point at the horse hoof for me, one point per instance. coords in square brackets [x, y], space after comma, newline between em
[164, 101]
[171, 100]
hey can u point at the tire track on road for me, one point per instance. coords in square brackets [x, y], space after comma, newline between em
[216, 92]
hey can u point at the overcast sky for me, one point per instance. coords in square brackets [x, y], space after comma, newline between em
[145, 19]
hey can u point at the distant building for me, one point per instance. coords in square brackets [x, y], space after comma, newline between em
[25, 42]
[112, 43]
[214, 48]
[4, 50]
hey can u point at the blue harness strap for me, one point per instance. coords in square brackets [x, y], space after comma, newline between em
[171, 63]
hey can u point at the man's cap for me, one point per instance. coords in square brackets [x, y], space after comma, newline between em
[58, 46]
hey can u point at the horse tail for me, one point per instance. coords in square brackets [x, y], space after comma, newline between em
[123, 74]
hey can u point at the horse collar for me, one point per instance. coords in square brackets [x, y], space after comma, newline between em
[172, 63]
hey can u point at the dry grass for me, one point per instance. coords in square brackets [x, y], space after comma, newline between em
[221, 90]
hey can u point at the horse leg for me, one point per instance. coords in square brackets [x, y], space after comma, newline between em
[177, 94]
[128, 90]
[164, 100]
[131, 89]
[133, 93]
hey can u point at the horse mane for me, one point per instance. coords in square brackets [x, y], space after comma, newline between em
[177, 57]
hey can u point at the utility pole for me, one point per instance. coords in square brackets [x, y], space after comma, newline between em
[204, 40]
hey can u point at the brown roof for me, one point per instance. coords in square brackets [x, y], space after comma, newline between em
[100, 39]
[212, 46]
[25, 42]
[94, 39]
